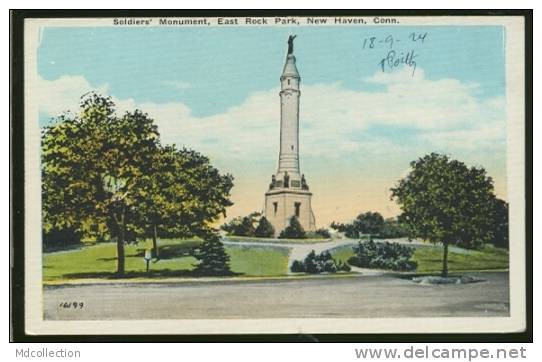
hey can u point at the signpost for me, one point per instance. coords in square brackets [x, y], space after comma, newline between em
[147, 258]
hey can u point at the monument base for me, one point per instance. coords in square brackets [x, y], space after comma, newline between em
[282, 204]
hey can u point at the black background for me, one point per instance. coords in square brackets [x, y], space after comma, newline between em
[16, 247]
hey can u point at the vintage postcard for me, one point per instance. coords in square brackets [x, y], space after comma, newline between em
[275, 174]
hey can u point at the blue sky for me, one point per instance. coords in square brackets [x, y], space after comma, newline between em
[215, 89]
[141, 63]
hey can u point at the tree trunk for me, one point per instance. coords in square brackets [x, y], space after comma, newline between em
[155, 242]
[120, 247]
[445, 260]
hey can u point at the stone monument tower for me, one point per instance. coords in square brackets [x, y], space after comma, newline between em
[288, 193]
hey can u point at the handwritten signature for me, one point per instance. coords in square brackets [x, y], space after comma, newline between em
[392, 61]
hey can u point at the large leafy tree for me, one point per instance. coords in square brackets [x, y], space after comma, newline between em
[91, 165]
[444, 201]
[108, 176]
[183, 193]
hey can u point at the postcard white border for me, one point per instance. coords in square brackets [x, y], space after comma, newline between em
[515, 77]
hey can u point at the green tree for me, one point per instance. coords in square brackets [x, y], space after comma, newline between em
[264, 228]
[183, 194]
[213, 257]
[243, 226]
[444, 201]
[293, 231]
[246, 227]
[107, 176]
[369, 223]
[500, 224]
[96, 158]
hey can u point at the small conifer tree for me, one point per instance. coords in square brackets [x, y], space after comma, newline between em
[213, 257]
[264, 228]
[293, 231]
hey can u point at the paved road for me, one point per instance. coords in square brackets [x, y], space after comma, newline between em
[357, 296]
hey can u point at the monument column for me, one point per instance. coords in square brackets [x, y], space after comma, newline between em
[289, 118]
[288, 193]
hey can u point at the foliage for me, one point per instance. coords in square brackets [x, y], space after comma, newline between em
[61, 238]
[323, 233]
[393, 256]
[242, 225]
[214, 261]
[293, 231]
[264, 229]
[107, 177]
[371, 223]
[392, 229]
[183, 193]
[316, 264]
[90, 164]
[444, 201]
[500, 224]
[297, 267]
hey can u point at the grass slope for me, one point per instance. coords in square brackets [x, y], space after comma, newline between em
[429, 258]
[258, 260]
[100, 261]
[489, 258]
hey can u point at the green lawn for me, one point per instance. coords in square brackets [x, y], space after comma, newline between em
[342, 253]
[100, 261]
[258, 260]
[429, 258]
[489, 258]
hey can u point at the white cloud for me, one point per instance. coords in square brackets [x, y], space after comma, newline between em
[57, 96]
[481, 138]
[446, 113]
[399, 76]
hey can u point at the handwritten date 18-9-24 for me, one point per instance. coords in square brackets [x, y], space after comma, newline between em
[394, 58]
[389, 41]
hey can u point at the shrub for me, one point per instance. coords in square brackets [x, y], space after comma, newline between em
[293, 231]
[297, 267]
[61, 238]
[323, 233]
[316, 264]
[385, 255]
[264, 229]
[243, 225]
[213, 257]
[371, 223]
[311, 265]
[342, 266]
